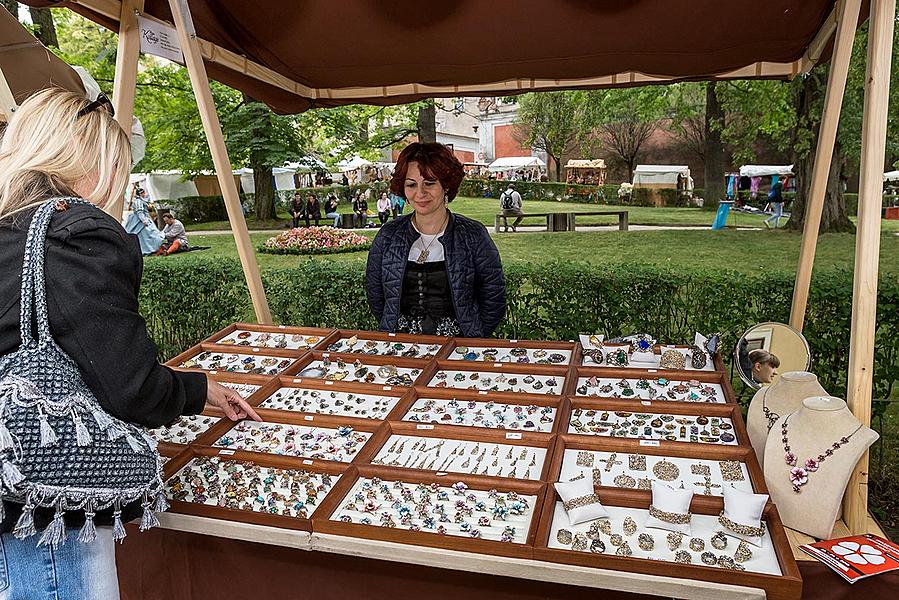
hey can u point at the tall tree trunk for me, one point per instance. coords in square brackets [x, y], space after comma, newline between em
[44, 30]
[557, 160]
[12, 6]
[265, 190]
[833, 217]
[427, 122]
[714, 149]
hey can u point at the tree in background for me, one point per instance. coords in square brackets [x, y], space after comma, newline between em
[550, 122]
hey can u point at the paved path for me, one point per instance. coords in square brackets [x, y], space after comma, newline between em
[524, 229]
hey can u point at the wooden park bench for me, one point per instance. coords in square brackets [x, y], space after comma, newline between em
[566, 221]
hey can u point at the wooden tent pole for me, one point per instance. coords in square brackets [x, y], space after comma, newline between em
[200, 83]
[7, 101]
[123, 88]
[867, 245]
[827, 134]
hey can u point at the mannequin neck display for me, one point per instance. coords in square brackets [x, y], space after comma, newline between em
[809, 496]
[782, 397]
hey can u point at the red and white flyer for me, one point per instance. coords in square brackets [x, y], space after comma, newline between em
[856, 557]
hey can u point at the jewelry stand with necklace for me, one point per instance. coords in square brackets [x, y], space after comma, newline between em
[811, 460]
[782, 397]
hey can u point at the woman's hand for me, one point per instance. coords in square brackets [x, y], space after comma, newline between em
[228, 401]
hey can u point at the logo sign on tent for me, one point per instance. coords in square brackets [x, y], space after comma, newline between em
[159, 39]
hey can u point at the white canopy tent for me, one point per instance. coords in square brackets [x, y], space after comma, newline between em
[165, 185]
[661, 176]
[765, 170]
[283, 179]
[345, 166]
[511, 163]
[891, 176]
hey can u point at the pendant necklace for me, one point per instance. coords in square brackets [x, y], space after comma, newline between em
[799, 475]
[769, 414]
[423, 257]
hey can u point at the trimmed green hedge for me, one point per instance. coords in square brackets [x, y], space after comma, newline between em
[187, 301]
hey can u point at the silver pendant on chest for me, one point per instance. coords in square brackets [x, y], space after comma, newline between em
[423, 257]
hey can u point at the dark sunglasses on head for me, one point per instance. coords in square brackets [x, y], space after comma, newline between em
[102, 100]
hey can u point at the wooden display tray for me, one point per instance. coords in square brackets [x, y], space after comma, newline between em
[249, 516]
[496, 343]
[322, 523]
[563, 372]
[327, 385]
[368, 360]
[717, 361]
[478, 396]
[787, 586]
[255, 327]
[229, 349]
[618, 373]
[743, 454]
[211, 435]
[383, 336]
[471, 434]
[692, 409]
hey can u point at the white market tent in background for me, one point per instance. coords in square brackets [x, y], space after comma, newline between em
[169, 185]
[283, 179]
[891, 176]
[345, 166]
[661, 176]
[511, 163]
[765, 170]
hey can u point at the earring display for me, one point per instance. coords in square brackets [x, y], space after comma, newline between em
[357, 345]
[655, 544]
[337, 369]
[705, 477]
[516, 354]
[184, 430]
[653, 426]
[265, 339]
[254, 364]
[498, 382]
[242, 485]
[324, 402]
[462, 456]
[657, 388]
[245, 390]
[492, 415]
[453, 510]
[340, 444]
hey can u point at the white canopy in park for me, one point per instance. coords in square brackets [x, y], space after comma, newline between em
[516, 162]
[661, 175]
[891, 176]
[168, 185]
[592, 163]
[765, 170]
[283, 179]
[352, 164]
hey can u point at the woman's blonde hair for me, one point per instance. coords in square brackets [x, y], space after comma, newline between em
[47, 149]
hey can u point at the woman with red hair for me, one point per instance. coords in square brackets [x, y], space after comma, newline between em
[433, 271]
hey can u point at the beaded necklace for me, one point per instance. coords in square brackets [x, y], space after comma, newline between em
[799, 475]
[769, 414]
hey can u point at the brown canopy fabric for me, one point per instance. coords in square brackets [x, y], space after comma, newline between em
[27, 65]
[393, 51]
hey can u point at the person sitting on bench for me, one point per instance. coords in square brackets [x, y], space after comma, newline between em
[175, 236]
[510, 203]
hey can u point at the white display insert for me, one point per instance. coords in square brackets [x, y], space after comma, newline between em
[498, 382]
[516, 354]
[326, 402]
[697, 429]
[492, 415]
[265, 339]
[336, 369]
[357, 345]
[324, 443]
[659, 389]
[184, 430]
[254, 364]
[245, 390]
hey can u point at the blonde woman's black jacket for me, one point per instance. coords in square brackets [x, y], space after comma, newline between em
[93, 272]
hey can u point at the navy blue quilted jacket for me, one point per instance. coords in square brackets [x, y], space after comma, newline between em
[472, 264]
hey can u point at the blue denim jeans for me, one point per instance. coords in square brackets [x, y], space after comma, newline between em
[73, 571]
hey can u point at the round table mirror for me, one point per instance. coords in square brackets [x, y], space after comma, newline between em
[770, 348]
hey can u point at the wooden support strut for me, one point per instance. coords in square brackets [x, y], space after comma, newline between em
[867, 245]
[125, 84]
[827, 134]
[199, 80]
[7, 101]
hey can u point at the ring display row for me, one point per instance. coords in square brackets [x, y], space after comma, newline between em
[518, 354]
[242, 485]
[184, 430]
[340, 370]
[653, 426]
[658, 389]
[245, 390]
[441, 510]
[462, 456]
[498, 382]
[493, 415]
[339, 444]
[237, 363]
[265, 339]
[366, 406]
[357, 345]
[638, 471]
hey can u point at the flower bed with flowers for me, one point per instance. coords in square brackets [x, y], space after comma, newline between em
[315, 240]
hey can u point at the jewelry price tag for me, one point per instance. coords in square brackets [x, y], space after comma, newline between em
[329, 382]
[652, 370]
[646, 403]
[497, 365]
[213, 372]
[387, 388]
[308, 417]
[255, 349]
[307, 462]
[391, 335]
[281, 327]
[423, 426]
[226, 452]
[298, 381]
[513, 341]
[653, 443]
[513, 435]
[483, 392]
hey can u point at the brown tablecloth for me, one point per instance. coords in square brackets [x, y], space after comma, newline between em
[171, 565]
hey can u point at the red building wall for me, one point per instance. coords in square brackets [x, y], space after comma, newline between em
[505, 144]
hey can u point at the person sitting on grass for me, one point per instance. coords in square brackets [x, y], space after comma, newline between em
[175, 236]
